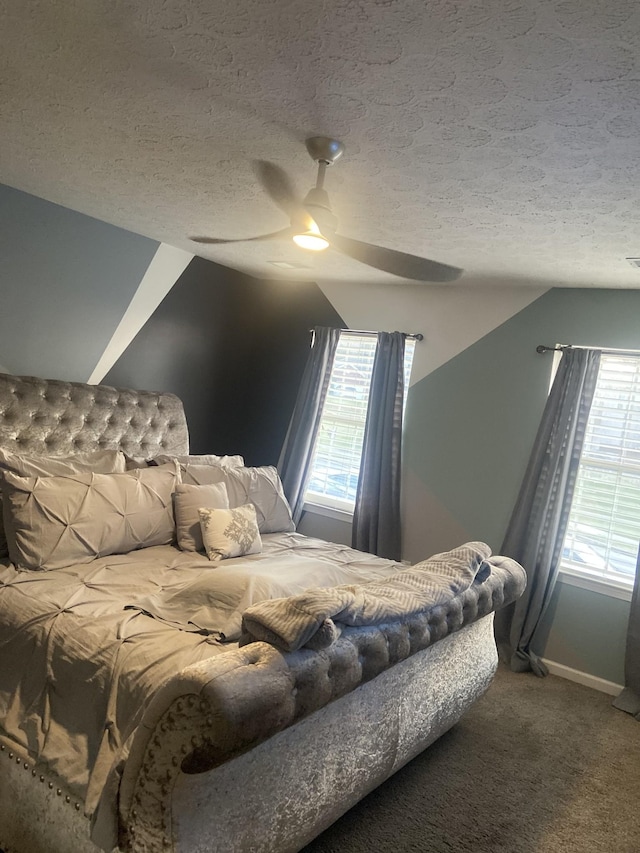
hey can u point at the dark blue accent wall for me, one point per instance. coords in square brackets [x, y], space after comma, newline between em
[233, 348]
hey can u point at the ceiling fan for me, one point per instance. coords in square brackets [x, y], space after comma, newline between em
[314, 225]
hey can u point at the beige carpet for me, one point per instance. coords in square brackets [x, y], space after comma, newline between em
[537, 766]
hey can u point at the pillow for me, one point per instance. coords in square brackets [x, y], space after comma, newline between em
[53, 522]
[206, 459]
[259, 486]
[187, 500]
[230, 532]
[100, 461]
[132, 462]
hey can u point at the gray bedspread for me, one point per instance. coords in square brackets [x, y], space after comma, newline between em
[78, 670]
[81, 659]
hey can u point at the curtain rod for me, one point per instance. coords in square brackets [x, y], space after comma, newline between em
[541, 348]
[417, 336]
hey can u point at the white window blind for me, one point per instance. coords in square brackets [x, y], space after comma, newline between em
[604, 524]
[336, 459]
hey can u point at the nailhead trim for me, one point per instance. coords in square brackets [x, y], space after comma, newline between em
[39, 777]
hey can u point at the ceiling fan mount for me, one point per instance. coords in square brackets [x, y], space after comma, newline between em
[324, 149]
[313, 225]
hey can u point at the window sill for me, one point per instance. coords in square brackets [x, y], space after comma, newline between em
[611, 588]
[328, 512]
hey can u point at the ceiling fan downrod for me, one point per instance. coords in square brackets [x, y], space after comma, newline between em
[324, 151]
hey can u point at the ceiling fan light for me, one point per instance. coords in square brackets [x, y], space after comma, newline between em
[311, 240]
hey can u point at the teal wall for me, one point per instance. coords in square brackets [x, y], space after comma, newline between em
[470, 427]
[586, 631]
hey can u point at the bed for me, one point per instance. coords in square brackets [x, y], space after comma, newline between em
[157, 698]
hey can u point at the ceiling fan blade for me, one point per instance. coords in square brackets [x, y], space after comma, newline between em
[397, 263]
[279, 187]
[215, 241]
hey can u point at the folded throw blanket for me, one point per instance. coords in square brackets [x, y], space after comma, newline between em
[314, 618]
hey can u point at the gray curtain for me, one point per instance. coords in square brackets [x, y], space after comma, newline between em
[295, 458]
[538, 524]
[376, 518]
[629, 699]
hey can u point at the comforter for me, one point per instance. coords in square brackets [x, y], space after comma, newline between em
[80, 658]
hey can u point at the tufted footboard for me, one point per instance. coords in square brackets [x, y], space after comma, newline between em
[229, 712]
[245, 752]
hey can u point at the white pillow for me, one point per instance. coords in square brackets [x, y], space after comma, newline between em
[35, 465]
[259, 486]
[230, 532]
[204, 459]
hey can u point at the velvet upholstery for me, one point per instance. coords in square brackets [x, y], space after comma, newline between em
[51, 417]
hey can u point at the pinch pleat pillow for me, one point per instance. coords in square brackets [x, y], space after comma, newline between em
[54, 522]
[33, 465]
[230, 532]
[260, 486]
[187, 500]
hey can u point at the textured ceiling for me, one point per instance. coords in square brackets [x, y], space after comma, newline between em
[501, 136]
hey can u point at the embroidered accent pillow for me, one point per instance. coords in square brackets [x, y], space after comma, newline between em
[54, 522]
[187, 500]
[230, 532]
[260, 486]
[33, 465]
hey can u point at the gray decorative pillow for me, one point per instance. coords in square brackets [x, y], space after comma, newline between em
[259, 486]
[230, 532]
[53, 522]
[187, 500]
[204, 459]
[100, 461]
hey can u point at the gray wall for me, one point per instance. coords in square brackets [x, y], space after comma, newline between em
[65, 282]
[469, 431]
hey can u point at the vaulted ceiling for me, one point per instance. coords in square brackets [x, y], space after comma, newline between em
[500, 136]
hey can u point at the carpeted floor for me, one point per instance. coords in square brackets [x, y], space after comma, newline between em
[537, 766]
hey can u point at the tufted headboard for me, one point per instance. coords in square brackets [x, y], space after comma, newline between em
[47, 416]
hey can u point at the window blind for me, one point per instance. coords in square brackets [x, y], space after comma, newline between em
[338, 451]
[604, 523]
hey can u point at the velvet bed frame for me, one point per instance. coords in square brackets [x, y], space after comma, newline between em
[245, 751]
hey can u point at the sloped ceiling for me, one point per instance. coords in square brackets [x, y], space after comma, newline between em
[500, 136]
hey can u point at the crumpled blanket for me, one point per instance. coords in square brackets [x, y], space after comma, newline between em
[315, 618]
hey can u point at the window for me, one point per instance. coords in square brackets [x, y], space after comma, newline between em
[604, 523]
[336, 457]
